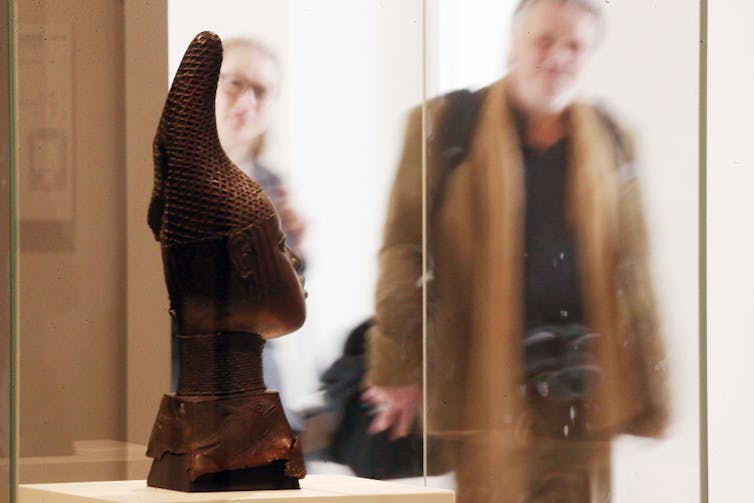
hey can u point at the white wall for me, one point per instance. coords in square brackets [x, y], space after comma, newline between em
[467, 42]
[730, 171]
[356, 71]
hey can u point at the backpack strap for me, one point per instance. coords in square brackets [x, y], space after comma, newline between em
[457, 123]
[621, 142]
[454, 130]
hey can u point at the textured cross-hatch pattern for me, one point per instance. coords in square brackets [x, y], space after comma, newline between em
[199, 194]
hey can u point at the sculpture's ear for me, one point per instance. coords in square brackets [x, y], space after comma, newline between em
[243, 252]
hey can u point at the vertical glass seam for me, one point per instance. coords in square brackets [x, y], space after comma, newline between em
[703, 385]
[13, 430]
[424, 238]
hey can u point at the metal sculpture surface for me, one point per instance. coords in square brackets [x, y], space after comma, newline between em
[232, 284]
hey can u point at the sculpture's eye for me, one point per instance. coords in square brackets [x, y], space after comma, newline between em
[295, 261]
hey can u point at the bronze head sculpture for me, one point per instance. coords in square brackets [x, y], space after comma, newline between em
[232, 284]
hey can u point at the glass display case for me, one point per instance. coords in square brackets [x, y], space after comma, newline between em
[7, 344]
[347, 112]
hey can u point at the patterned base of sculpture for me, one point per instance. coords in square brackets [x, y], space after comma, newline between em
[201, 445]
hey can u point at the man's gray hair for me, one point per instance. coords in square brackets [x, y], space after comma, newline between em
[591, 6]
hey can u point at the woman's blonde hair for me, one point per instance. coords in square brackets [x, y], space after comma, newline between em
[260, 47]
[251, 43]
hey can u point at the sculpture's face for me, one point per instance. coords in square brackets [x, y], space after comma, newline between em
[282, 309]
[226, 264]
[248, 283]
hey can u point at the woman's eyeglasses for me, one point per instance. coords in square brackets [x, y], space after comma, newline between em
[235, 86]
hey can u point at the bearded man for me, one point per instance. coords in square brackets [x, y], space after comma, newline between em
[542, 337]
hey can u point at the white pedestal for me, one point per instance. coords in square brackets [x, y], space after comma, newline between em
[314, 489]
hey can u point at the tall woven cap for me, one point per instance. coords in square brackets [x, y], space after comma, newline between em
[199, 194]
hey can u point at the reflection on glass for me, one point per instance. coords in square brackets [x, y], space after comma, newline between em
[543, 334]
[72, 238]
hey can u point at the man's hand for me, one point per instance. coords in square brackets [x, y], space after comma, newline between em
[396, 408]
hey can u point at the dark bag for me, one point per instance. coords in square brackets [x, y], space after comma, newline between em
[370, 456]
[376, 456]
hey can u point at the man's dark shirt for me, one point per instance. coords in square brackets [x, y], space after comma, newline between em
[552, 286]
